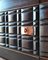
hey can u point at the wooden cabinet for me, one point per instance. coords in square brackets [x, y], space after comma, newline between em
[29, 22]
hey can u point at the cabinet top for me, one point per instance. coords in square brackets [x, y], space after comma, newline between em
[8, 4]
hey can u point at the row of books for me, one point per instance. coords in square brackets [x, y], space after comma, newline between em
[20, 31]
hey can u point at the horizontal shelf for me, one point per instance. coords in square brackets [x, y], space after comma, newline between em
[12, 54]
[43, 58]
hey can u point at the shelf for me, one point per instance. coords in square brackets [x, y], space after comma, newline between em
[11, 54]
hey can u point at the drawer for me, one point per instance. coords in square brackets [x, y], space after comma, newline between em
[45, 22]
[44, 46]
[44, 38]
[26, 14]
[44, 54]
[44, 30]
[2, 29]
[27, 30]
[13, 30]
[12, 16]
[43, 13]
[2, 41]
[2, 17]
[12, 43]
[27, 44]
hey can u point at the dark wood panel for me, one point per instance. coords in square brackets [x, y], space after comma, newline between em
[43, 58]
[8, 4]
[42, 1]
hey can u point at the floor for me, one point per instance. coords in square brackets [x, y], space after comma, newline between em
[2, 58]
